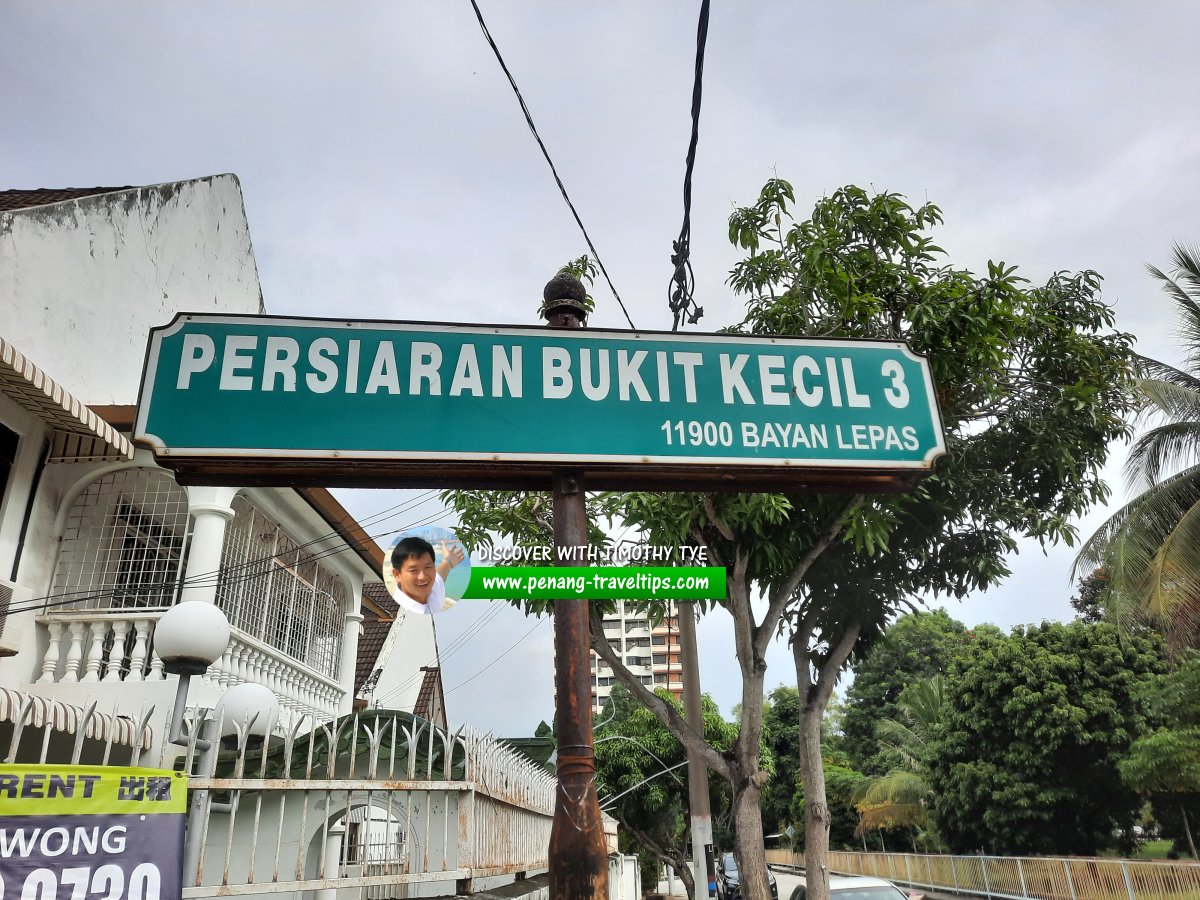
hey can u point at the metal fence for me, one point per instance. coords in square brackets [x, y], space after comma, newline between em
[1019, 878]
[375, 801]
[48, 720]
[381, 802]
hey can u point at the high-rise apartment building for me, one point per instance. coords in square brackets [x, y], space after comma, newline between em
[650, 651]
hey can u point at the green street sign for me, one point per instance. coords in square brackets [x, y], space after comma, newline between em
[357, 402]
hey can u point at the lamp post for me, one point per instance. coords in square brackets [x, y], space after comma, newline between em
[189, 638]
[578, 857]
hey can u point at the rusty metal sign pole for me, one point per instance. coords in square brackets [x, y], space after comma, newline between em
[578, 857]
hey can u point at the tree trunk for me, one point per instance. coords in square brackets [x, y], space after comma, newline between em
[1187, 829]
[814, 697]
[684, 873]
[750, 852]
[817, 818]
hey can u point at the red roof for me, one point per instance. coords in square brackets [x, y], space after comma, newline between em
[430, 703]
[11, 200]
[375, 630]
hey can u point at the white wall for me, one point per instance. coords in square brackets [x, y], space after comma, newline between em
[82, 282]
[409, 646]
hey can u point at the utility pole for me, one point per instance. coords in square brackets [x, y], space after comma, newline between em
[702, 848]
[578, 856]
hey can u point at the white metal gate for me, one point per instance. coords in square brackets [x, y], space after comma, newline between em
[376, 801]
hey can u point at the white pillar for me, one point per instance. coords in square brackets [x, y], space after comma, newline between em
[211, 509]
[349, 660]
[333, 860]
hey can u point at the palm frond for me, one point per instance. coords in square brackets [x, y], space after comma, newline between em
[1187, 266]
[1170, 592]
[1151, 369]
[1172, 288]
[1140, 526]
[1149, 550]
[893, 800]
[1150, 554]
[1182, 285]
[1178, 398]
[1163, 449]
[898, 738]
[922, 702]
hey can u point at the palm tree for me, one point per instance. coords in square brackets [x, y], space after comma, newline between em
[899, 799]
[1149, 551]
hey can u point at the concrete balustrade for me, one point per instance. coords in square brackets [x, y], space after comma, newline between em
[116, 645]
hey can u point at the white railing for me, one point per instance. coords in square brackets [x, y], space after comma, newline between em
[301, 691]
[117, 645]
[1018, 878]
[99, 646]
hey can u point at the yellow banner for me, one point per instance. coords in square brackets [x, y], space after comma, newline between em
[50, 790]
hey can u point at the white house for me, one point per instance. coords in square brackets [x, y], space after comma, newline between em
[397, 667]
[96, 540]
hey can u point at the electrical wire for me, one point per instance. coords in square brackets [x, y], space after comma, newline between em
[455, 645]
[233, 575]
[229, 575]
[546, 153]
[537, 625]
[681, 290]
[390, 513]
[444, 653]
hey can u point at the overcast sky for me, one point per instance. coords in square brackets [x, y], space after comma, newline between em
[388, 173]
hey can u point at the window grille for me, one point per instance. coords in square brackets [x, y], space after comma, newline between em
[124, 543]
[277, 591]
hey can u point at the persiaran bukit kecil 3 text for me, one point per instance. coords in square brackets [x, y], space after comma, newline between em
[524, 393]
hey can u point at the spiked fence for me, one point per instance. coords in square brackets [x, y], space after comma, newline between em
[376, 801]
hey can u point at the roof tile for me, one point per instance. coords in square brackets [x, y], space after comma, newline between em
[24, 199]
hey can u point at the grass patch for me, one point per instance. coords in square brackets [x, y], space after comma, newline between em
[1154, 849]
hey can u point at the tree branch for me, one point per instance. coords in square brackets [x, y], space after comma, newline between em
[743, 616]
[800, 641]
[714, 556]
[674, 858]
[779, 598]
[719, 523]
[838, 654]
[663, 711]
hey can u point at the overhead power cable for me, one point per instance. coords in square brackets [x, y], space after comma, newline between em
[226, 576]
[546, 153]
[681, 290]
[442, 653]
[536, 625]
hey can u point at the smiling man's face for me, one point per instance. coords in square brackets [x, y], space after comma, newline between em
[416, 576]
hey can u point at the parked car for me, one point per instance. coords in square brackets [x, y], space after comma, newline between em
[728, 879]
[856, 887]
